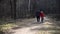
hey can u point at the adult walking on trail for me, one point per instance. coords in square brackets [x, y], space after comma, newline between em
[38, 16]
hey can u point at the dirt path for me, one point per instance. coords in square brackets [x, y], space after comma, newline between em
[32, 27]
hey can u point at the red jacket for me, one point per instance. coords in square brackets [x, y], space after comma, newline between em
[42, 15]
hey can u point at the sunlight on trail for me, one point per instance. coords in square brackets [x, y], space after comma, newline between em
[34, 29]
[48, 24]
[51, 28]
[49, 32]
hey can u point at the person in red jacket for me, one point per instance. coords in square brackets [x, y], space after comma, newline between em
[42, 15]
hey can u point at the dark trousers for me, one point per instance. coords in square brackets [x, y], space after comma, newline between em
[38, 18]
[42, 19]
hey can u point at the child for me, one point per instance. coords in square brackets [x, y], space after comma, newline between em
[42, 15]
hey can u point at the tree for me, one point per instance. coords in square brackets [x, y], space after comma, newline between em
[14, 9]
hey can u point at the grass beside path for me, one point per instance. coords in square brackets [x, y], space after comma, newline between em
[6, 26]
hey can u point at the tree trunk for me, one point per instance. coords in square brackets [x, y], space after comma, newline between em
[14, 9]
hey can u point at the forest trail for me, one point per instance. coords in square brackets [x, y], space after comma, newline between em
[32, 27]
